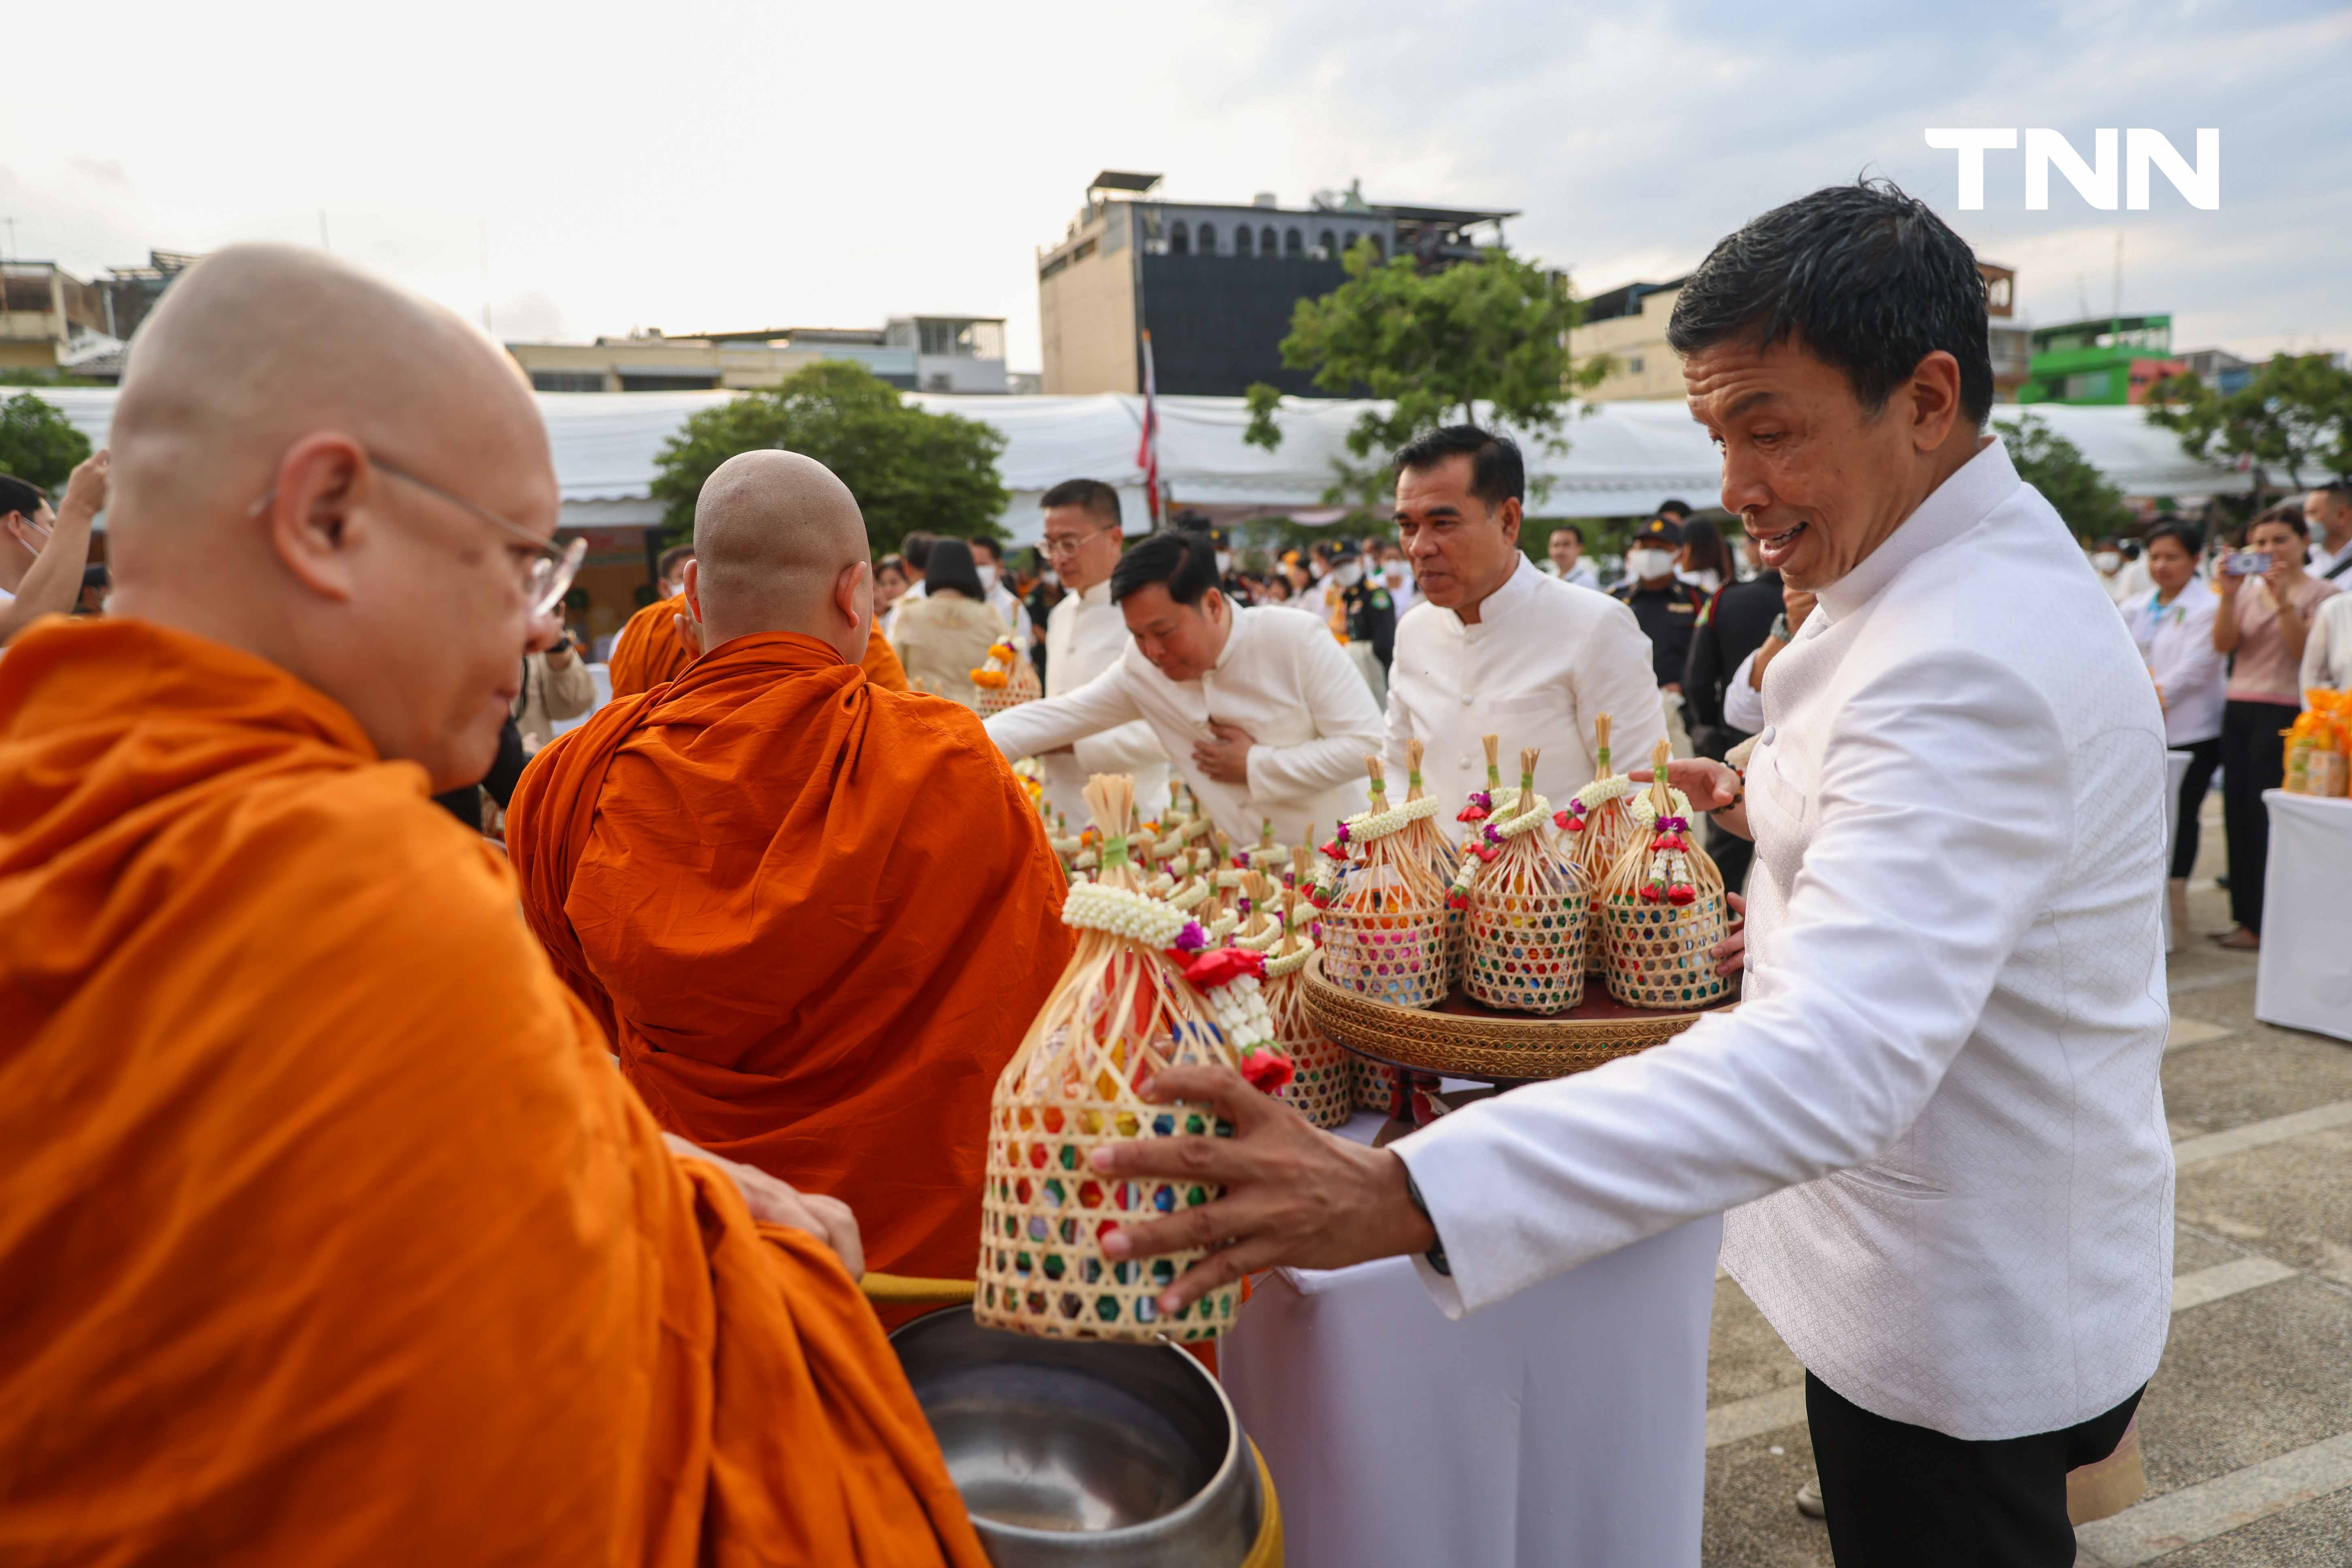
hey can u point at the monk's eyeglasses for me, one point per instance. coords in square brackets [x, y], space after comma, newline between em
[553, 567]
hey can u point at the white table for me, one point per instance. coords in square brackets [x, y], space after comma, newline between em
[1564, 1428]
[2303, 979]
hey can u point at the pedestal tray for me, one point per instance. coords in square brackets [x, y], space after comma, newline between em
[1460, 1038]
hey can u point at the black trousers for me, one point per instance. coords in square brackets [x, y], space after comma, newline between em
[2253, 758]
[2204, 756]
[1899, 1496]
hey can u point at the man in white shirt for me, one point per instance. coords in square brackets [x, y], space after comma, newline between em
[1498, 648]
[1259, 709]
[1084, 635]
[2328, 513]
[1938, 1098]
[42, 551]
[1566, 548]
[988, 560]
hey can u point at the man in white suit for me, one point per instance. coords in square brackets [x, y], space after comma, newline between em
[1936, 1107]
[1084, 635]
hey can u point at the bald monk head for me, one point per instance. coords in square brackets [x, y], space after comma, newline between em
[780, 546]
[271, 406]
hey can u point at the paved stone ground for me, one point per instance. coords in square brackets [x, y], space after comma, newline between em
[2247, 1426]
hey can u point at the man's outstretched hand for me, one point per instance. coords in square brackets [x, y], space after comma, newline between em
[1292, 1196]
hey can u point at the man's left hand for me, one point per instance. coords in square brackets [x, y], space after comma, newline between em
[1226, 758]
[1293, 1195]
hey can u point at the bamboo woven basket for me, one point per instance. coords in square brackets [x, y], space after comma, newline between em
[1377, 1084]
[1122, 1012]
[1528, 908]
[1005, 679]
[1323, 1090]
[1424, 838]
[1384, 913]
[1598, 825]
[1663, 908]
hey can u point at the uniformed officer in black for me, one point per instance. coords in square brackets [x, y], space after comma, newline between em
[1371, 613]
[1666, 608]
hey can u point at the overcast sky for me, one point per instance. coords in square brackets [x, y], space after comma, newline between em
[588, 168]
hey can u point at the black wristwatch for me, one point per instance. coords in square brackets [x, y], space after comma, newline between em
[1781, 632]
[1436, 1254]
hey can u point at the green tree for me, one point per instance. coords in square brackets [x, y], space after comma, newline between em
[2295, 415]
[908, 470]
[2052, 464]
[1433, 346]
[38, 443]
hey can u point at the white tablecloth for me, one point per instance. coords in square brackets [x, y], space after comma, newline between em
[2304, 978]
[1564, 1428]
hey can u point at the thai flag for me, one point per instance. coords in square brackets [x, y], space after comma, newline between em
[1147, 450]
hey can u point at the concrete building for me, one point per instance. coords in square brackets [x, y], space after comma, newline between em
[1628, 323]
[2106, 360]
[2219, 369]
[913, 354]
[1213, 283]
[51, 319]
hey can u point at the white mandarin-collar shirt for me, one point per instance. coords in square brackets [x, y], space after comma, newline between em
[1937, 1099]
[1281, 677]
[1084, 635]
[2176, 641]
[1545, 658]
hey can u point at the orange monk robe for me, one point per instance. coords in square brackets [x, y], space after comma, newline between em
[881, 662]
[327, 1234]
[819, 917]
[649, 651]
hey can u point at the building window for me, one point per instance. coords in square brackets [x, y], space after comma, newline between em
[1266, 240]
[1633, 366]
[1242, 240]
[567, 381]
[1180, 238]
[631, 381]
[1293, 244]
[1208, 239]
[1331, 245]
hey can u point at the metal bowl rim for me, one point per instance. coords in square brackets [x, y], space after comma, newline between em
[1133, 1535]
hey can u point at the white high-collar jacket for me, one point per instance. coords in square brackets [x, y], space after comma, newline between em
[1084, 635]
[1934, 1114]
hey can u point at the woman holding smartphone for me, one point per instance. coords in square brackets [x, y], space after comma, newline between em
[2263, 619]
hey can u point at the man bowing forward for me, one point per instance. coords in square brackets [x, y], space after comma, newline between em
[1936, 1113]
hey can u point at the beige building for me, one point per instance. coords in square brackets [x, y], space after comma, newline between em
[50, 318]
[1629, 324]
[913, 354]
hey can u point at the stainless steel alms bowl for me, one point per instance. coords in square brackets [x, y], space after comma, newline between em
[1072, 1451]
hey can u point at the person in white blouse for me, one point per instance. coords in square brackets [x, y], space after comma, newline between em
[1936, 1114]
[2172, 623]
[1497, 647]
[2328, 649]
[1259, 709]
[1084, 635]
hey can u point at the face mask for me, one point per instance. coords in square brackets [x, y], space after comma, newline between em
[2108, 563]
[1648, 564]
[1395, 575]
[1225, 562]
[1347, 576]
[987, 578]
[1049, 577]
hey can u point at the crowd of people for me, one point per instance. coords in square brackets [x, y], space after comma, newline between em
[352, 1218]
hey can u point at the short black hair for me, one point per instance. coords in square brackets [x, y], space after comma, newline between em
[21, 495]
[916, 549]
[2181, 531]
[995, 550]
[2340, 489]
[952, 572]
[1095, 496]
[1181, 561]
[1497, 472]
[1866, 278]
[1674, 505]
[1570, 528]
[673, 558]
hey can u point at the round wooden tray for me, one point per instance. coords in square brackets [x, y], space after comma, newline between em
[1462, 1039]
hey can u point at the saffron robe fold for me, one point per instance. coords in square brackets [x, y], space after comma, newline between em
[649, 651]
[327, 1233]
[817, 917]
[881, 661]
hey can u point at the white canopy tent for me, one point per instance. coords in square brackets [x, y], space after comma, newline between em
[1622, 458]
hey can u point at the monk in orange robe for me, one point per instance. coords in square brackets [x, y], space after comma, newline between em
[651, 648]
[327, 1233]
[817, 916]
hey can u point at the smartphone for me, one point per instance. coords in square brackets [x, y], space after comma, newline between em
[2246, 562]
